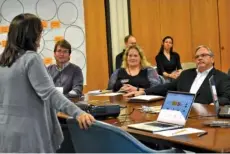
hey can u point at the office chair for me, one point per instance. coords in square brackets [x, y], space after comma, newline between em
[229, 72]
[162, 79]
[105, 138]
[160, 76]
[188, 65]
[155, 67]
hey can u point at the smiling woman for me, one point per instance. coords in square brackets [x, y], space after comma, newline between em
[135, 74]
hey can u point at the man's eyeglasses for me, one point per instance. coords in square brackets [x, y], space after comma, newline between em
[202, 55]
[63, 51]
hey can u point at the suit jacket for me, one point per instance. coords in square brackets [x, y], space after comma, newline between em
[119, 58]
[185, 80]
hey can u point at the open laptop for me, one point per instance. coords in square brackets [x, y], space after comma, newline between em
[173, 114]
[221, 111]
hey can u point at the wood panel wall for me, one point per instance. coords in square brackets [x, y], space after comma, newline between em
[204, 26]
[189, 22]
[224, 24]
[145, 26]
[96, 45]
[175, 22]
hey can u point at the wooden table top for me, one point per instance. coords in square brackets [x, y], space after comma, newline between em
[217, 139]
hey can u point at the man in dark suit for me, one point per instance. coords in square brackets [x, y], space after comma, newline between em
[129, 40]
[196, 80]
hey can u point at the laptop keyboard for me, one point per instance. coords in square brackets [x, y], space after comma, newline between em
[157, 124]
[219, 122]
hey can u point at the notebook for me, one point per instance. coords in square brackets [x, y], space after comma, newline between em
[223, 111]
[145, 98]
[174, 113]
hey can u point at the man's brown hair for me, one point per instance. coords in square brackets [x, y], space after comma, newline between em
[64, 44]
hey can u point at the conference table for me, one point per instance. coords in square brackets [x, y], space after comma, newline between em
[217, 139]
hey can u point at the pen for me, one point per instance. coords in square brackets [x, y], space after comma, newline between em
[202, 134]
[179, 131]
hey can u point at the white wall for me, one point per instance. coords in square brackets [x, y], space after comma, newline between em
[119, 25]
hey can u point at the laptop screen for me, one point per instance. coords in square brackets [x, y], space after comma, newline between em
[176, 107]
[214, 93]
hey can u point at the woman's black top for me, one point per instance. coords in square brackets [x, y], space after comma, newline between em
[140, 80]
[165, 65]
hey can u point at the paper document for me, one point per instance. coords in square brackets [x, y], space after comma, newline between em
[110, 94]
[151, 109]
[146, 98]
[177, 132]
[94, 92]
[98, 92]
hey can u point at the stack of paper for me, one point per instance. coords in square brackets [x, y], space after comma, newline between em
[146, 98]
[103, 93]
[177, 132]
[98, 92]
[94, 92]
[110, 94]
[151, 109]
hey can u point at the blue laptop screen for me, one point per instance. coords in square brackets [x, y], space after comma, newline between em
[179, 102]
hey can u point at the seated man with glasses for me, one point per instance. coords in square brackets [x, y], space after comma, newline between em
[67, 76]
[196, 80]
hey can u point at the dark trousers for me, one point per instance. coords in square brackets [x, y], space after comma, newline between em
[67, 145]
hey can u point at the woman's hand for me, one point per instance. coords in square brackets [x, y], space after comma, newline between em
[173, 75]
[134, 93]
[85, 120]
[128, 88]
[176, 74]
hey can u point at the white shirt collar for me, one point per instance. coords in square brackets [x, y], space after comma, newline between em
[64, 66]
[198, 81]
[205, 72]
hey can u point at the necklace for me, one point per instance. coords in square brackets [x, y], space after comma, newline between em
[129, 72]
[134, 73]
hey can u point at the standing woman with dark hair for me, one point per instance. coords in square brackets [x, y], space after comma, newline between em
[168, 61]
[28, 97]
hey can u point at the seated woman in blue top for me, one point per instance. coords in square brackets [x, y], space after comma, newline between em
[168, 61]
[135, 73]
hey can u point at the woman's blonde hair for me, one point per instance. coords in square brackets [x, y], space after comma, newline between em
[144, 62]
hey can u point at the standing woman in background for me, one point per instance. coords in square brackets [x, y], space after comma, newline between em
[28, 97]
[168, 61]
